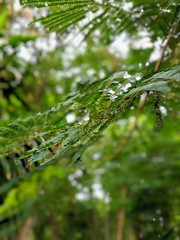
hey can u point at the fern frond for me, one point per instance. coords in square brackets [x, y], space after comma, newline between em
[50, 136]
[108, 101]
[43, 3]
[110, 18]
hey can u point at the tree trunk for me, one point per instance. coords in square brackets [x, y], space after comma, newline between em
[94, 226]
[121, 216]
[54, 227]
[25, 232]
[106, 226]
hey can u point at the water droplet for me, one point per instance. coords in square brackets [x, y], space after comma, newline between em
[70, 118]
[138, 78]
[127, 75]
[125, 88]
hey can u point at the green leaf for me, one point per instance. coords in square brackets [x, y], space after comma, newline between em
[15, 40]
[160, 86]
[108, 101]
[3, 18]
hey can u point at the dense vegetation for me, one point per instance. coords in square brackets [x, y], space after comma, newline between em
[89, 142]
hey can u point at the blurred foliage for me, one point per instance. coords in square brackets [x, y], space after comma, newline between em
[89, 143]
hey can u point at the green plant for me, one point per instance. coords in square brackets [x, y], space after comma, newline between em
[28, 145]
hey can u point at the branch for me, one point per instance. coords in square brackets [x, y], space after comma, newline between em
[165, 45]
[146, 94]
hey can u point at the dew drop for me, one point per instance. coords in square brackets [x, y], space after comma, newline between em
[70, 118]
